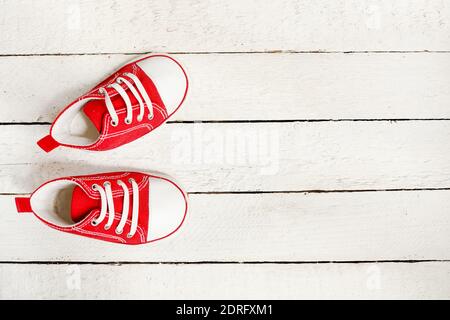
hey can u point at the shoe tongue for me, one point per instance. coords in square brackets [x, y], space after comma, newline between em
[82, 204]
[95, 111]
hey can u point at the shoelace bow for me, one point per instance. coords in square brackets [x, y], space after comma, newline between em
[136, 93]
[107, 206]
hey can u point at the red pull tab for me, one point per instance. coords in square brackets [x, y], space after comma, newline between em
[47, 143]
[23, 205]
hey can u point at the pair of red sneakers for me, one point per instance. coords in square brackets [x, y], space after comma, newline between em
[121, 207]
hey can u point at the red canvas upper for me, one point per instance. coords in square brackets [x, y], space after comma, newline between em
[95, 110]
[86, 206]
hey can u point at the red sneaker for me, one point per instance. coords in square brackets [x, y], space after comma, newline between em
[136, 99]
[122, 207]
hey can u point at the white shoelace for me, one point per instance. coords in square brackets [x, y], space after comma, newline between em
[107, 206]
[140, 89]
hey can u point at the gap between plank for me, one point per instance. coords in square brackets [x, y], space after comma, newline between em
[221, 262]
[322, 191]
[224, 52]
[308, 120]
[255, 121]
[291, 191]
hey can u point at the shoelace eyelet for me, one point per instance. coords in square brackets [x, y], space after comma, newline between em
[136, 88]
[94, 187]
[107, 207]
[139, 118]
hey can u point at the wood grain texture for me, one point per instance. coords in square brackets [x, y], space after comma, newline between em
[248, 86]
[53, 51]
[328, 281]
[367, 226]
[80, 26]
[250, 157]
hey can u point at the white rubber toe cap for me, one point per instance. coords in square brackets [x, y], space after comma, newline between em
[167, 208]
[169, 78]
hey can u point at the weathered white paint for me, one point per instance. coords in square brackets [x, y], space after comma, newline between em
[270, 281]
[248, 86]
[250, 156]
[368, 226]
[243, 227]
[51, 26]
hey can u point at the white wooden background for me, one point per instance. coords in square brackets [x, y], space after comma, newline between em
[351, 99]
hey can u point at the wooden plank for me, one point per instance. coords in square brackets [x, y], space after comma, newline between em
[50, 26]
[271, 281]
[250, 156]
[368, 226]
[248, 87]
